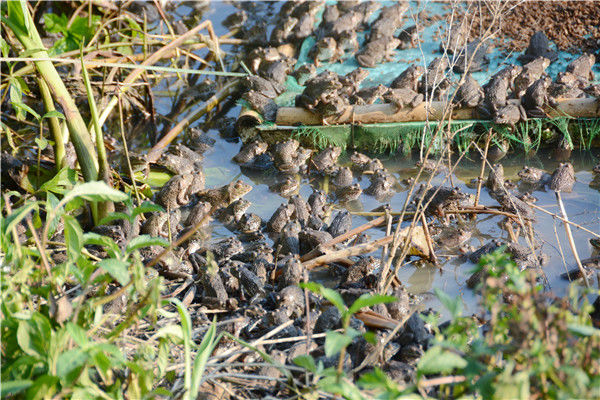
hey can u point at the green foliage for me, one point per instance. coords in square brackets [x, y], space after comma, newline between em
[78, 33]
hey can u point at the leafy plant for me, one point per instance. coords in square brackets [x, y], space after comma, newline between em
[75, 34]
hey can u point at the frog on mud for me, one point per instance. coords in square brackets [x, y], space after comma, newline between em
[249, 151]
[225, 195]
[176, 192]
[369, 95]
[326, 159]
[377, 51]
[409, 78]
[469, 94]
[352, 80]
[582, 68]
[453, 237]
[304, 73]
[435, 81]
[349, 193]
[439, 198]
[531, 72]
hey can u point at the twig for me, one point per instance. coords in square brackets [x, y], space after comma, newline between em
[443, 380]
[428, 239]
[564, 220]
[481, 173]
[350, 251]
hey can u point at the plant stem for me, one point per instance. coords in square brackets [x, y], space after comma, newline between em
[59, 146]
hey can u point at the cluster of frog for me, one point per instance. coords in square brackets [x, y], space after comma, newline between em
[331, 96]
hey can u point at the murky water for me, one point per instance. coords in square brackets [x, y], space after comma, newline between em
[583, 205]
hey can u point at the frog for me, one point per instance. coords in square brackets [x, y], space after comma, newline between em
[495, 180]
[280, 218]
[471, 58]
[292, 272]
[408, 37]
[211, 281]
[359, 160]
[304, 28]
[369, 95]
[563, 178]
[296, 163]
[534, 176]
[301, 209]
[260, 55]
[285, 152]
[304, 73]
[249, 223]
[453, 237]
[566, 86]
[262, 86]
[403, 97]
[331, 13]
[495, 97]
[363, 267]
[440, 198]
[535, 97]
[262, 162]
[176, 192]
[343, 177]
[325, 50]
[235, 20]
[291, 298]
[317, 201]
[332, 107]
[456, 37]
[390, 19]
[510, 72]
[469, 93]
[283, 30]
[157, 224]
[251, 284]
[511, 203]
[311, 239]
[366, 9]
[199, 141]
[346, 22]
[287, 187]
[582, 67]
[539, 46]
[593, 90]
[341, 223]
[377, 51]
[347, 43]
[435, 82]
[346, 194]
[225, 195]
[381, 185]
[262, 104]
[531, 72]
[317, 88]
[180, 159]
[288, 239]
[276, 71]
[233, 212]
[352, 80]
[326, 159]
[409, 78]
[510, 114]
[200, 213]
[249, 151]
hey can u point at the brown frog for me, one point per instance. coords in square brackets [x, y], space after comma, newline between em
[403, 97]
[531, 72]
[180, 159]
[301, 209]
[390, 19]
[347, 43]
[280, 218]
[456, 37]
[317, 201]
[159, 222]
[469, 94]
[260, 55]
[509, 73]
[409, 78]
[304, 73]
[176, 192]
[352, 80]
[435, 81]
[326, 159]
[233, 212]
[563, 178]
[539, 46]
[343, 177]
[262, 104]
[439, 198]
[262, 86]
[199, 214]
[348, 193]
[408, 37]
[534, 176]
[369, 95]
[377, 51]
[347, 22]
[535, 97]
[566, 86]
[249, 223]
[495, 96]
[325, 50]
[511, 203]
[472, 58]
[225, 195]
[287, 187]
[285, 152]
[510, 114]
[381, 185]
[317, 88]
[582, 67]
[453, 237]
[283, 30]
[341, 223]
[495, 180]
[276, 71]
[249, 151]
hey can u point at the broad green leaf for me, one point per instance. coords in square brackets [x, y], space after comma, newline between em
[335, 342]
[368, 300]
[25, 107]
[438, 361]
[331, 295]
[141, 241]
[115, 216]
[11, 388]
[583, 330]
[204, 351]
[307, 362]
[146, 207]
[118, 269]
[186, 328]
[64, 178]
[68, 364]
[455, 305]
[54, 114]
[18, 215]
[169, 330]
[78, 334]
[34, 334]
[41, 142]
[94, 191]
[44, 387]
[73, 237]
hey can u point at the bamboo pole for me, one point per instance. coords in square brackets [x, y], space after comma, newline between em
[431, 111]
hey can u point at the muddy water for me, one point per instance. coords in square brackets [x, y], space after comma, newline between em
[583, 205]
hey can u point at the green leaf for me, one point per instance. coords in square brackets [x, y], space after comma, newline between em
[331, 295]
[141, 241]
[115, 216]
[42, 142]
[455, 305]
[204, 351]
[10, 388]
[18, 215]
[44, 387]
[368, 300]
[33, 336]
[307, 362]
[583, 330]
[73, 237]
[94, 191]
[25, 107]
[53, 114]
[93, 238]
[438, 361]
[146, 207]
[118, 269]
[78, 334]
[64, 178]
[335, 342]
[54, 23]
[68, 364]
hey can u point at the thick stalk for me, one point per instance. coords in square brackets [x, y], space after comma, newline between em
[59, 146]
[80, 136]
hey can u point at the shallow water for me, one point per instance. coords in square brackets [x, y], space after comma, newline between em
[583, 205]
